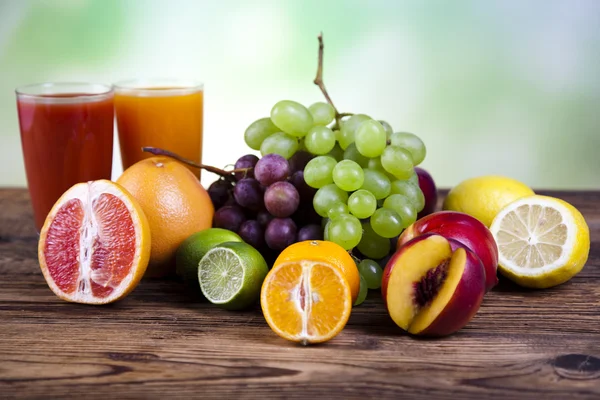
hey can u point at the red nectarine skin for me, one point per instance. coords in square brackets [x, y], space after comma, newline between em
[465, 301]
[465, 229]
[427, 185]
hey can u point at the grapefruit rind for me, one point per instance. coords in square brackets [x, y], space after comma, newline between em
[86, 193]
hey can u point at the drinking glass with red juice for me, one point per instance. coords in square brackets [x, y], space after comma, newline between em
[67, 138]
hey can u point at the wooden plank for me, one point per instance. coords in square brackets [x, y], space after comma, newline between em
[164, 341]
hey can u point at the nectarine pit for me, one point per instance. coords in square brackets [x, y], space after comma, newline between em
[426, 289]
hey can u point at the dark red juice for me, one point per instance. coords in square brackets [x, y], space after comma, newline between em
[67, 138]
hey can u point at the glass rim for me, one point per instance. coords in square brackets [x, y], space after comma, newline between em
[50, 92]
[158, 87]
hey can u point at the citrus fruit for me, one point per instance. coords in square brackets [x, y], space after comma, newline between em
[95, 244]
[483, 197]
[231, 275]
[175, 203]
[542, 241]
[306, 301]
[325, 252]
[191, 251]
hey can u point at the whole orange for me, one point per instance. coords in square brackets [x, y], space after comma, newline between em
[327, 252]
[175, 204]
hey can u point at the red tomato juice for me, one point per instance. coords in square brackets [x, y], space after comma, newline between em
[66, 138]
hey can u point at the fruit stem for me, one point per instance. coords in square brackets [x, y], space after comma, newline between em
[218, 171]
[319, 82]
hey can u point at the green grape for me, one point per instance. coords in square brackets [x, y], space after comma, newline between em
[336, 153]
[345, 230]
[319, 140]
[279, 143]
[349, 128]
[372, 273]
[292, 117]
[258, 131]
[351, 153]
[326, 196]
[322, 113]
[326, 229]
[414, 178]
[375, 163]
[301, 145]
[386, 223]
[397, 161]
[388, 129]
[362, 204]
[362, 292]
[336, 209]
[404, 207]
[324, 222]
[412, 143]
[377, 183]
[370, 139]
[372, 245]
[348, 175]
[317, 172]
[410, 190]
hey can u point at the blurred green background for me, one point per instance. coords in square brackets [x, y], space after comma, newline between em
[507, 87]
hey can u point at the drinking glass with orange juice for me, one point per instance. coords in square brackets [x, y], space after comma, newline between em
[167, 114]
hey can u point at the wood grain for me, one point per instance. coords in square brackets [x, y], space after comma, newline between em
[162, 341]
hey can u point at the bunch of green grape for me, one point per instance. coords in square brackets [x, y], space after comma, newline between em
[367, 189]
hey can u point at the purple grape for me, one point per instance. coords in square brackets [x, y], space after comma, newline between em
[229, 217]
[219, 192]
[247, 161]
[247, 193]
[264, 217]
[271, 168]
[230, 202]
[282, 199]
[310, 232]
[299, 160]
[280, 233]
[306, 192]
[306, 215]
[252, 233]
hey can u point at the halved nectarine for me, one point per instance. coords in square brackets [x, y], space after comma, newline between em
[433, 286]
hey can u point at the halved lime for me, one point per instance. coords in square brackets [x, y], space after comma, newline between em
[231, 275]
[191, 251]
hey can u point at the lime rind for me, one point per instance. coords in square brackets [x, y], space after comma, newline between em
[221, 275]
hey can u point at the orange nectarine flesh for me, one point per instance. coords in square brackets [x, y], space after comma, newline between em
[431, 311]
[416, 262]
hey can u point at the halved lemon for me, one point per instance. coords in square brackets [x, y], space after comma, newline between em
[542, 241]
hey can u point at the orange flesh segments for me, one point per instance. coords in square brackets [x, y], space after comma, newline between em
[306, 301]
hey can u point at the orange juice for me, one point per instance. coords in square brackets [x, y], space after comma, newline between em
[168, 116]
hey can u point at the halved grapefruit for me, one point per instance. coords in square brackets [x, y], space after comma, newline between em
[95, 244]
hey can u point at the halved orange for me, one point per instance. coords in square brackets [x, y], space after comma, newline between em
[95, 244]
[326, 252]
[305, 300]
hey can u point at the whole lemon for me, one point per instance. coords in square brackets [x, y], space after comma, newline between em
[483, 197]
[175, 203]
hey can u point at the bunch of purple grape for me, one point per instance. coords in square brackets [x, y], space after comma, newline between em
[268, 203]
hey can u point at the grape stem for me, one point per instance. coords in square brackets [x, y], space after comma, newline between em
[218, 171]
[319, 82]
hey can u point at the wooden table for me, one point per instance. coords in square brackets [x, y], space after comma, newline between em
[162, 341]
